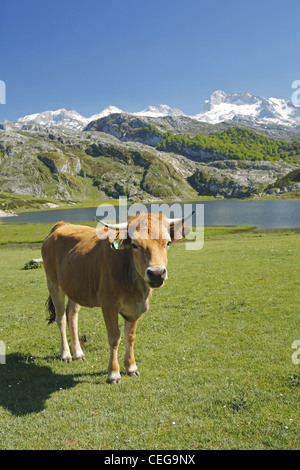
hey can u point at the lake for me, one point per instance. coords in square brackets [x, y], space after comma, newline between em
[263, 214]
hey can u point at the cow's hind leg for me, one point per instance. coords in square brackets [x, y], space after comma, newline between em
[129, 332]
[110, 315]
[72, 316]
[58, 299]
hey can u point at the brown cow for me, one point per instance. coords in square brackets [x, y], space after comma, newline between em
[80, 263]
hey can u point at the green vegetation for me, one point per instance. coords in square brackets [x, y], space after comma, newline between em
[237, 144]
[214, 351]
[22, 203]
[148, 131]
[290, 178]
[289, 196]
[17, 202]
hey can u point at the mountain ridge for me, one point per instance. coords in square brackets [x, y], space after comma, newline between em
[238, 105]
[241, 107]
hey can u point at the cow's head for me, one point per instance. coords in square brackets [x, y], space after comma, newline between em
[149, 237]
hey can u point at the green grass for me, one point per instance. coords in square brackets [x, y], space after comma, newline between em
[289, 196]
[214, 351]
[20, 203]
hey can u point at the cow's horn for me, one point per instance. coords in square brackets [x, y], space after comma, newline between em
[122, 226]
[180, 219]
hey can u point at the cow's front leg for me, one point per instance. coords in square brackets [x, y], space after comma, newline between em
[129, 331]
[114, 338]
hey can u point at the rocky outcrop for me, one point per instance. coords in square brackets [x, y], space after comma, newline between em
[236, 179]
[59, 163]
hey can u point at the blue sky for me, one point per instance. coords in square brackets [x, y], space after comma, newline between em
[86, 55]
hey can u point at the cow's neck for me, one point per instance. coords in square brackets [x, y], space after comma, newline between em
[136, 283]
[142, 286]
[136, 300]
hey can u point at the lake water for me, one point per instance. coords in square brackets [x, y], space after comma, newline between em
[263, 214]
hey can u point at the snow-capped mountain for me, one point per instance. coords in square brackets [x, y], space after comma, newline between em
[64, 119]
[239, 106]
[106, 112]
[160, 111]
[58, 118]
[73, 120]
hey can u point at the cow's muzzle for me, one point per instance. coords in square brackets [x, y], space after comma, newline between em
[155, 276]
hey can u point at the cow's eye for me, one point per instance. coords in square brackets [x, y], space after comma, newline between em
[134, 246]
[168, 243]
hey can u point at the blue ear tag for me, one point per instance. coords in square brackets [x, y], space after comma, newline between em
[116, 244]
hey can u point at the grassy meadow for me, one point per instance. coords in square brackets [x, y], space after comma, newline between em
[214, 352]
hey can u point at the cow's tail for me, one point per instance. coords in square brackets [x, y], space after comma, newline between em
[51, 309]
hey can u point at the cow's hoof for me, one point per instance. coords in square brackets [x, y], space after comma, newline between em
[80, 358]
[132, 370]
[114, 381]
[66, 359]
[133, 373]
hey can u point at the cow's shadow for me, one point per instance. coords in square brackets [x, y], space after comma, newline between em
[25, 386]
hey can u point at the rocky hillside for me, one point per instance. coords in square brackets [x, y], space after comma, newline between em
[89, 166]
[121, 154]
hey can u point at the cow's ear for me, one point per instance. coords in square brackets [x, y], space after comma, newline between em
[179, 230]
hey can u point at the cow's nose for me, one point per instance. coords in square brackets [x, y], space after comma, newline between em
[156, 273]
